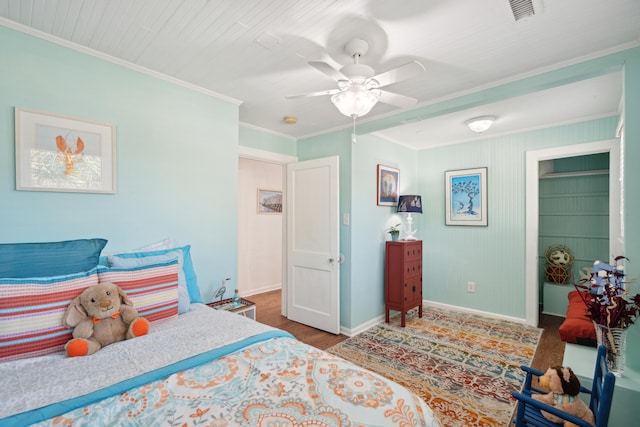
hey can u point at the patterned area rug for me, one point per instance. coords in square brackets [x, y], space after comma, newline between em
[463, 365]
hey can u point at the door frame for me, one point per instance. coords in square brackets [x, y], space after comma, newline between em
[533, 158]
[280, 159]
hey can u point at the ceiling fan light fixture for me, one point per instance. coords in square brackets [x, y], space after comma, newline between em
[355, 102]
[480, 124]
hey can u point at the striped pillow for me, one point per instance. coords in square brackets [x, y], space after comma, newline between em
[31, 312]
[153, 288]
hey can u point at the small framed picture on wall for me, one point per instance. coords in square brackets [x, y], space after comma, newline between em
[388, 186]
[269, 201]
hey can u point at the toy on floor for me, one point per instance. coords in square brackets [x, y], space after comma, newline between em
[564, 388]
[101, 315]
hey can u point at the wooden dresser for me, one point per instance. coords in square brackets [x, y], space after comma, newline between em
[403, 277]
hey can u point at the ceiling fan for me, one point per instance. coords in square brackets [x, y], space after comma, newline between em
[358, 88]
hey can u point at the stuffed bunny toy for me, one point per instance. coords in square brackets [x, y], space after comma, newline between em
[102, 314]
[564, 390]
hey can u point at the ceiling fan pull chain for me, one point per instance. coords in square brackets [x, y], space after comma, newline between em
[353, 135]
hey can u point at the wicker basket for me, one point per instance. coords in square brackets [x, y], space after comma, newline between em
[558, 262]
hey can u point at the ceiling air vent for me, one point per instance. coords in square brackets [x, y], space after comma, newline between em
[521, 8]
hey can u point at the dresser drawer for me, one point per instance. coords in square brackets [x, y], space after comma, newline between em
[413, 268]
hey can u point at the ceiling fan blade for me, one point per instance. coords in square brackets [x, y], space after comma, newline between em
[328, 70]
[403, 72]
[397, 99]
[311, 94]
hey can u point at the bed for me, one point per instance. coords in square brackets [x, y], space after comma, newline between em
[197, 366]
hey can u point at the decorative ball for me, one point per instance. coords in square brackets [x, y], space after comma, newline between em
[557, 275]
[560, 257]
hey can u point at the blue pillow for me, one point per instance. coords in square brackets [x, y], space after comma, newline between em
[19, 260]
[187, 265]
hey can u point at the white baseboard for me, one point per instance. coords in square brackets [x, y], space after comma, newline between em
[254, 291]
[425, 304]
[350, 332]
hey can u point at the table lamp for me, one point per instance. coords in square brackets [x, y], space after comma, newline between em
[410, 204]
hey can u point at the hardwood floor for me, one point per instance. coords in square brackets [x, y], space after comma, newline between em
[549, 353]
[551, 348]
[268, 312]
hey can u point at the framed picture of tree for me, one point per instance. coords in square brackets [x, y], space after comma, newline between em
[466, 197]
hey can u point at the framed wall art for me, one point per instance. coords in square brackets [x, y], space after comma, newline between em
[466, 197]
[388, 185]
[58, 153]
[269, 201]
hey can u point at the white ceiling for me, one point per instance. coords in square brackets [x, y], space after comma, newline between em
[256, 51]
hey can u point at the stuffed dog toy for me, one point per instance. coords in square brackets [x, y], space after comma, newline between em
[564, 388]
[102, 314]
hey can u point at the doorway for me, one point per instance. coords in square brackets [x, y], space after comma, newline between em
[261, 263]
[533, 159]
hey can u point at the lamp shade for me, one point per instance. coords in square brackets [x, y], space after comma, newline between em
[355, 102]
[410, 204]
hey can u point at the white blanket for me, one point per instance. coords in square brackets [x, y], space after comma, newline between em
[32, 383]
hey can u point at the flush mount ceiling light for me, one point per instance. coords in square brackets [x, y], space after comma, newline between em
[480, 124]
[290, 120]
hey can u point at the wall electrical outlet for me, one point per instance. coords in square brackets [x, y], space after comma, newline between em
[471, 286]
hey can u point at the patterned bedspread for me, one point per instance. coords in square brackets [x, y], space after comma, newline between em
[280, 382]
[204, 368]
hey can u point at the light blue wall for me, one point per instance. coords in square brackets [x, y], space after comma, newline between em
[493, 257]
[369, 221]
[267, 141]
[176, 157]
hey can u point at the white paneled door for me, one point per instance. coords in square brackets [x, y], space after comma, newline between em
[313, 243]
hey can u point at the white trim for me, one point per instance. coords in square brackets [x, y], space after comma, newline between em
[265, 156]
[272, 132]
[262, 290]
[350, 332]
[531, 208]
[86, 50]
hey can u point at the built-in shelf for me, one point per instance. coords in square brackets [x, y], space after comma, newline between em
[574, 195]
[573, 174]
[575, 214]
[575, 236]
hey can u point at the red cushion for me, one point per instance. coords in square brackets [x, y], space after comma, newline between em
[577, 327]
